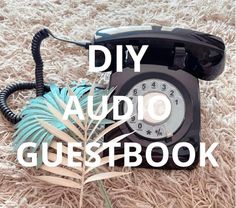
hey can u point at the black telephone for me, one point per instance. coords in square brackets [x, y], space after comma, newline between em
[170, 69]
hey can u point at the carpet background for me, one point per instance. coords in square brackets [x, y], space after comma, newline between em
[202, 187]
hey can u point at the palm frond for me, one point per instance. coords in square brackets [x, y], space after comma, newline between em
[67, 138]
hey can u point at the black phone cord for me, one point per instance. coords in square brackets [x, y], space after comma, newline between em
[39, 81]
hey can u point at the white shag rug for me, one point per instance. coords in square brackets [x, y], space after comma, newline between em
[202, 187]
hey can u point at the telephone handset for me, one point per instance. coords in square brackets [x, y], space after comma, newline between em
[170, 69]
[200, 54]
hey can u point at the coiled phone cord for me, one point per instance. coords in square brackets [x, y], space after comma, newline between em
[39, 81]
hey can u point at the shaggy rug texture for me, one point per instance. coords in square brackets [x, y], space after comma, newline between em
[202, 187]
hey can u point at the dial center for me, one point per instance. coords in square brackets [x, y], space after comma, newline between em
[157, 107]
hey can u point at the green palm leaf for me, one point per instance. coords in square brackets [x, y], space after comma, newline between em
[30, 130]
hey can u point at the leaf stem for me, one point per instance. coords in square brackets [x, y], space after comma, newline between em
[108, 203]
[83, 167]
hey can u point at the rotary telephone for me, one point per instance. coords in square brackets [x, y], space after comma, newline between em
[170, 69]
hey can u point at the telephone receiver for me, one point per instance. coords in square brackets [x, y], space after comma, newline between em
[170, 68]
[200, 54]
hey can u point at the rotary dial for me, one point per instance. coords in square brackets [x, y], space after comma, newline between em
[163, 108]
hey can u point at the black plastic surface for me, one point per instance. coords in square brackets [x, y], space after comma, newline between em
[189, 131]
